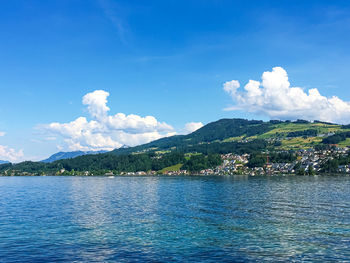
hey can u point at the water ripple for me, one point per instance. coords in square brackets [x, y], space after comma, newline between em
[175, 219]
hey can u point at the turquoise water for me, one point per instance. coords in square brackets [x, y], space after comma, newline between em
[174, 219]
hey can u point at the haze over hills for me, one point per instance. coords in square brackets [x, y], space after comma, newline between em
[2, 162]
[68, 155]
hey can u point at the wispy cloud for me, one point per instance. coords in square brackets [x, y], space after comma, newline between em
[115, 14]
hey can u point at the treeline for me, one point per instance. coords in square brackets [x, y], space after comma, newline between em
[118, 163]
[308, 133]
[29, 166]
[201, 162]
[226, 147]
[260, 159]
[122, 163]
[336, 138]
[332, 165]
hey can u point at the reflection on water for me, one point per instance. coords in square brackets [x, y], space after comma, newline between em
[99, 219]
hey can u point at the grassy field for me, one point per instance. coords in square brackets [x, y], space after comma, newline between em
[188, 155]
[283, 129]
[345, 143]
[233, 139]
[175, 167]
[162, 152]
[299, 143]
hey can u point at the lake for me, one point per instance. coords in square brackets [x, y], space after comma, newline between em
[175, 219]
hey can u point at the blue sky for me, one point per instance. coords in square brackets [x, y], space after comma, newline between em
[166, 59]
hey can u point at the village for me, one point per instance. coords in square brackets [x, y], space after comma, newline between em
[307, 160]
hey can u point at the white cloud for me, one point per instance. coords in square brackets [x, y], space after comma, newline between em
[2, 133]
[275, 98]
[9, 154]
[193, 126]
[97, 103]
[105, 131]
[231, 86]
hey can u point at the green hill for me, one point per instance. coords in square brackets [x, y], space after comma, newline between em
[216, 131]
[292, 135]
[200, 149]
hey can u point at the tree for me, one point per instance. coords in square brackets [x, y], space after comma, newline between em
[256, 161]
[311, 170]
[330, 166]
[301, 171]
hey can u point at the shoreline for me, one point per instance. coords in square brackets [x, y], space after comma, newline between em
[187, 175]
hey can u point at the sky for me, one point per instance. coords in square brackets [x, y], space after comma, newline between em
[100, 74]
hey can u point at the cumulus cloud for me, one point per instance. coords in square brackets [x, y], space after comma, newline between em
[9, 154]
[193, 126]
[2, 133]
[276, 98]
[97, 103]
[104, 131]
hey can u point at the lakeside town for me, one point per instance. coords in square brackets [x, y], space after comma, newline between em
[307, 162]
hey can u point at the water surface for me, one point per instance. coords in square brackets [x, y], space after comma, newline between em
[174, 219]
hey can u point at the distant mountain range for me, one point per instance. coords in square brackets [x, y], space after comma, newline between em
[69, 155]
[2, 162]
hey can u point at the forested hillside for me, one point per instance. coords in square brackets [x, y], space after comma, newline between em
[202, 148]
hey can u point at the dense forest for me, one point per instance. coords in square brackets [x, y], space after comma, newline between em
[260, 159]
[309, 132]
[336, 138]
[119, 163]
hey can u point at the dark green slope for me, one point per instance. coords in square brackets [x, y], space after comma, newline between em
[214, 131]
[226, 128]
